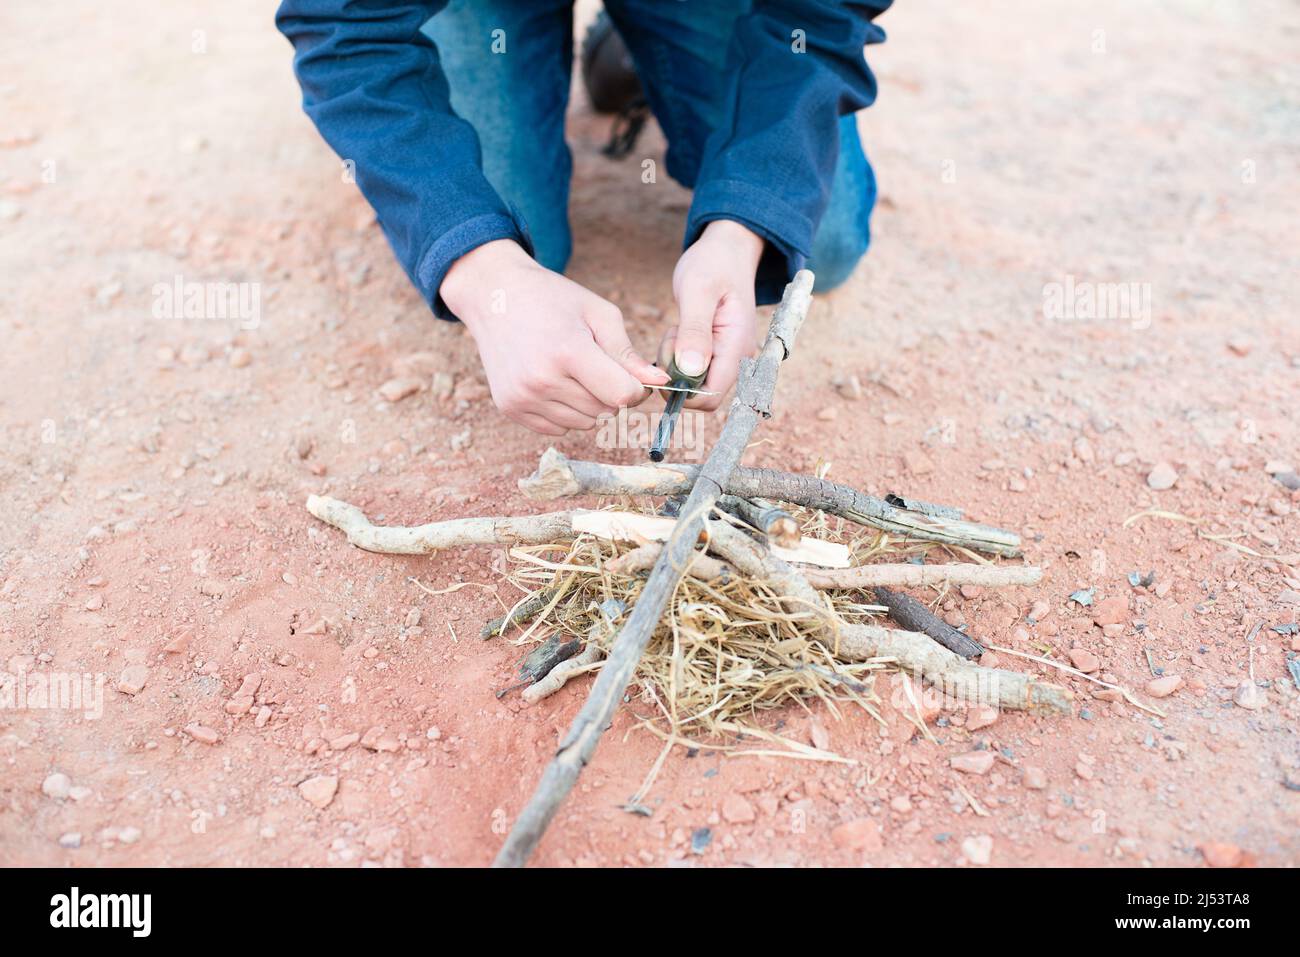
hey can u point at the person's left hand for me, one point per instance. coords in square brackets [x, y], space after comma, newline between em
[716, 318]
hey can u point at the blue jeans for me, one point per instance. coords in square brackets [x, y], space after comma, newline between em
[516, 101]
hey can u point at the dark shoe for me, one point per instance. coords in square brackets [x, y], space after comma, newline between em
[613, 86]
[607, 70]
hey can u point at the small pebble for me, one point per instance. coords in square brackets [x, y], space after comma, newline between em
[319, 791]
[1162, 477]
[978, 849]
[1035, 778]
[973, 762]
[202, 734]
[1164, 686]
[133, 679]
[1084, 660]
[56, 786]
[1249, 696]
[1218, 854]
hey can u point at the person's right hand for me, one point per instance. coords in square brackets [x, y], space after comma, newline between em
[556, 355]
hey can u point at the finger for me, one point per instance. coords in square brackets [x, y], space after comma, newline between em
[530, 420]
[696, 305]
[574, 394]
[599, 374]
[611, 335]
[566, 416]
[734, 341]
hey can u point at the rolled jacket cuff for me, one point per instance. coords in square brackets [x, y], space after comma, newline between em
[456, 242]
[788, 232]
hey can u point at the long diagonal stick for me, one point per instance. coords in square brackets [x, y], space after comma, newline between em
[751, 403]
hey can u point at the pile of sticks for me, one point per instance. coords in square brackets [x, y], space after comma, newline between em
[718, 494]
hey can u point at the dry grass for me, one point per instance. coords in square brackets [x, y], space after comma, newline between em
[724, 651]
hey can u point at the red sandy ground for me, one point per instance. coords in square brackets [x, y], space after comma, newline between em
[154, 489]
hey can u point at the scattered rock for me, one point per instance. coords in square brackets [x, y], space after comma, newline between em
[1084, 596]
[1084, 660]
[973, 762]
[248, 687]
[56, 786]
[900, 804]
[1164, 686]
[848, 387]
[1218, 854]
[442, 386]
[71, 840]
[471, 390]
[1035, 778]
[1162, 477]
[179, 643]
[701, 838]
[1112, 611]
[240, 357]
[980, 718]
[319, 791]
[736, 810]
[94, 603]
[202, 734]
[862, 834]
[377, 739]
[133, 679]
[978, 849]
[1249, 696]
[1289, 480]
[394, 390]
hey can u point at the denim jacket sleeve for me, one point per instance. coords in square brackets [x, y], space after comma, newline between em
[373, 85]
[794, 68]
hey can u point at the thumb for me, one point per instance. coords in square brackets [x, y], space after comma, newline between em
[611, 335]
[694, 346]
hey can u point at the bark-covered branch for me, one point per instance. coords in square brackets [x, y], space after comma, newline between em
[424, 539]
[558, 476]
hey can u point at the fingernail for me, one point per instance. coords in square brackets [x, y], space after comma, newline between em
[690, 363]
